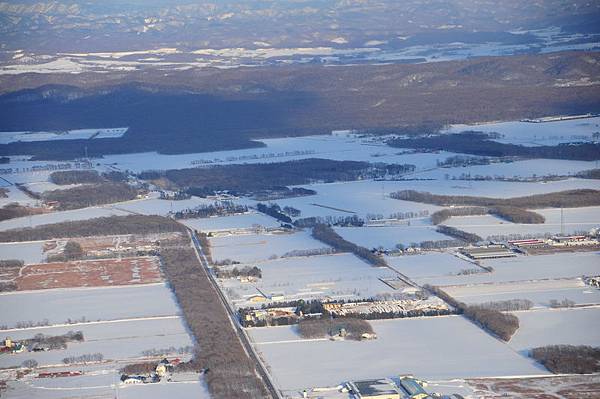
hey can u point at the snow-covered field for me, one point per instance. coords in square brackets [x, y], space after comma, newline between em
[430, 348]
[535, 134]
[368, 196]
[245, 221]
[388, 237]
[574, 220]
[115, 340]
[106, 303]
[519, 169]
[341, 276]
[540, 292]
[64, 216]
[521, 268]
[256, 247]
[77, 134]
[429, 264]
[101, 381]
[15, 195]
[553, 327]
[29, 252]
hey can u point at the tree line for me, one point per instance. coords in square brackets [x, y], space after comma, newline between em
[112, 225]
[568, 198]
[327, 235]
[501, 324]
[232, 373]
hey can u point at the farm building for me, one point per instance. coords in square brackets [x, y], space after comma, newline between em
[571, 241]
[487, 252]
[374, 389]
[403, 388]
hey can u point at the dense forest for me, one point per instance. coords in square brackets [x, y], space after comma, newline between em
[476, 143]
[113, 225]
[569, 198]
[15, 210]
[327, 235]
[90, 195]
[248, 179]
[232, 373]
[568, 358]
[219, 109]
[75, 177]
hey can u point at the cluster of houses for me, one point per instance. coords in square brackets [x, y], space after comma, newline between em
[593, 281]
[555, 242]
[163, 369]
[10, 346]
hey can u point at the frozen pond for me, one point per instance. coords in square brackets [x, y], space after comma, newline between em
[108, 303]
[431, 348]
[554, 327]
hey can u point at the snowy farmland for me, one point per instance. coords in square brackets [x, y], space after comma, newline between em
[99, 382]
[64, 216]
[28, 252]
[372, 197]
[133, 338]
[106, 303]
[77, 134]
[389, 237]
[535, 134]
[246, 221]
[523, 268]
[335, 147]
[342, 276]
[574, 220]
[248, 248]
[540, 292]
[431, 348]
[429, 264]
[553, 327]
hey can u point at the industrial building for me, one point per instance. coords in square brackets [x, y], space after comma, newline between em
[487, 252]
[404, 387]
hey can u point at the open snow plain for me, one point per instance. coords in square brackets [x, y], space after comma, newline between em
[556, 327]
[117, 340]
[524, 268]
[388, 237]
[92, 304]
[575, 220]
[431, 348]
[341, 276]
[535, 134]
[247, 248]
[540, 292]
